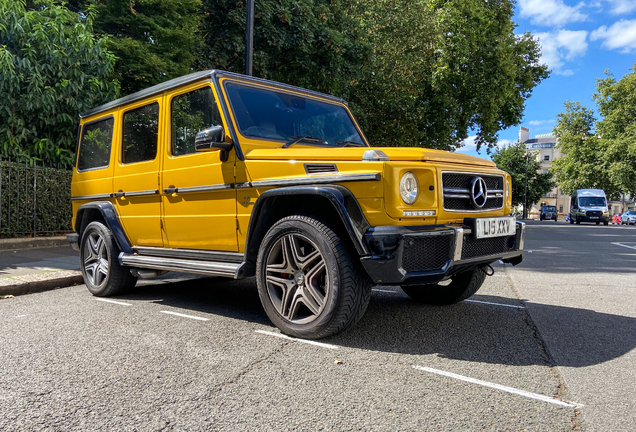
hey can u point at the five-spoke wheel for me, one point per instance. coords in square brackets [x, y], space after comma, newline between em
[103, 275]
[308, 283]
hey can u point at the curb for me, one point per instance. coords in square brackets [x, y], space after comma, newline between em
[39, 282]
[32, 242]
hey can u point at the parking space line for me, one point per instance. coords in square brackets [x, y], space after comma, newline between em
[387, 291]
[113, 302]
[507, 389]
[185, 316]
[495, 304]
[310, 342]
[621, 244]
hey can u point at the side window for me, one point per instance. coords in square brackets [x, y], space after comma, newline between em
[141, 131]
[97, 138]
[191, 113]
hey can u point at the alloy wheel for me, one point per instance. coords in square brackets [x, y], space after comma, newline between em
[96, 259]
[297, 278]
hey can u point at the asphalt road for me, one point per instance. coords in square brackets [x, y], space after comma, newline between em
[544, 346]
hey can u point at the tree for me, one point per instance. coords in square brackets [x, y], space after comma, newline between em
[583, 164]
[153, 40]
[512, 159]
[52, 67]
[441, 68]
[308, 43]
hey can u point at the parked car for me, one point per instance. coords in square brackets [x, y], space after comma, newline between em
[548, 213]
[629, 218]
[229, 175]
[616, 219]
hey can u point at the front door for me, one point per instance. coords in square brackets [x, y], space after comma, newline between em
[199, 199]
[136, 179]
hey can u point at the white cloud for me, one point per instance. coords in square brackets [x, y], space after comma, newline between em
[620, 7]
[540, 122]
[621, 36]
[551, 13]
[561, 46]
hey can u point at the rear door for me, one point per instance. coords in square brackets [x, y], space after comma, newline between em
[136, 179]
[199, 199]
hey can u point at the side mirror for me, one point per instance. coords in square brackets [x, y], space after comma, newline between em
[212, 139]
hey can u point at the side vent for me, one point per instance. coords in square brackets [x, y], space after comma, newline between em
[320, 168]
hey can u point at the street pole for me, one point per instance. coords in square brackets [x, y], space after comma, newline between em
[249, 38]
[525, 190]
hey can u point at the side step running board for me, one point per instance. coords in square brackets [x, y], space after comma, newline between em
[212, 268]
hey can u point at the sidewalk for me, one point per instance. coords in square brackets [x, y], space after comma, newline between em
[37, 268]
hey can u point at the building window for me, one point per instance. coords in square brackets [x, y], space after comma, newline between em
[546, 158]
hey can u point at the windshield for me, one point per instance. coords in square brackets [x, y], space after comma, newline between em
[290, 118]
[592, 201]
[547, 209]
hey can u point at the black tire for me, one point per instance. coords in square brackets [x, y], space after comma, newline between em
[597, 223]
[462, 286]
[571, 221]
[98, 247]
[578, 221]
[322, 305]
[606, 223]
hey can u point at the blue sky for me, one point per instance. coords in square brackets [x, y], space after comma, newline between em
[579, 41]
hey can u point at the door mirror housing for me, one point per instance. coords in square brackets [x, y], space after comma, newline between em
[212, 139]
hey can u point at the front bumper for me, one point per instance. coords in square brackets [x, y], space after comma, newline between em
[586, 218]
[431, 253]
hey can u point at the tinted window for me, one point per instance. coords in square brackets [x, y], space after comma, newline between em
[141, 131]
[191, 113]
[97, 138]
[591, 201]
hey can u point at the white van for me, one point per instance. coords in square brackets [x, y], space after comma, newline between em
[589, 205]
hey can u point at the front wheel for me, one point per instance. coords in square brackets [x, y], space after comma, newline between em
[308, 282]
[103, 275]
[461, 287]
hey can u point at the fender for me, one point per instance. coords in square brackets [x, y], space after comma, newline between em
[108, 212]
[341, 199]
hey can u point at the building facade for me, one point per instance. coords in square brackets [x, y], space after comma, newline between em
[543, 149]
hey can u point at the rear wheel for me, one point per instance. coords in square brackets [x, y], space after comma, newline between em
[578, 221]
[308, 282]
[461, 287]
[103, 275]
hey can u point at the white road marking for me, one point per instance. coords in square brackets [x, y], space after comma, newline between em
[185, 316]
[388, 291]
[310, 342]
[495, 304]
[114, 302]
[621, 244]
[501, 387]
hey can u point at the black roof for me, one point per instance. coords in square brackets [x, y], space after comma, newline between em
[193, 77]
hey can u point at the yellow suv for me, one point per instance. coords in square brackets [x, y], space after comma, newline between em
[228, 175]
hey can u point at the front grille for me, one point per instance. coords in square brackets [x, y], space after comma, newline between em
[594, 213]
[456, 190]
[426, 252]
[474, 248]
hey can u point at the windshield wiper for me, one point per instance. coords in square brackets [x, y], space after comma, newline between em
[350, 144]
[305, 139]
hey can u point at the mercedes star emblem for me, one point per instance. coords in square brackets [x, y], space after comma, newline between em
[478, 192]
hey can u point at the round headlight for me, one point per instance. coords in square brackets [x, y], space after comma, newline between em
[409, 188]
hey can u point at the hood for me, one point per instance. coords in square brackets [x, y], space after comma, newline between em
[355, 154]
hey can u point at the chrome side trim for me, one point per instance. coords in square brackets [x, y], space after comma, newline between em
[189, 254]
[182, 265]
[246, 185]
[459, 244]
[141, 193]
[338, 178]
[205, 188]
[91, 197]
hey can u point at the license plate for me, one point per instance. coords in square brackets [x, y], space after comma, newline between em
[593, 217]
[494, 227]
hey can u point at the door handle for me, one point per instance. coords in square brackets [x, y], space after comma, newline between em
[168, 191]
[119, 194]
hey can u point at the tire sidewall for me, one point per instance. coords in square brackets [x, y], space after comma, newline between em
[105, 234]
[334, 293]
